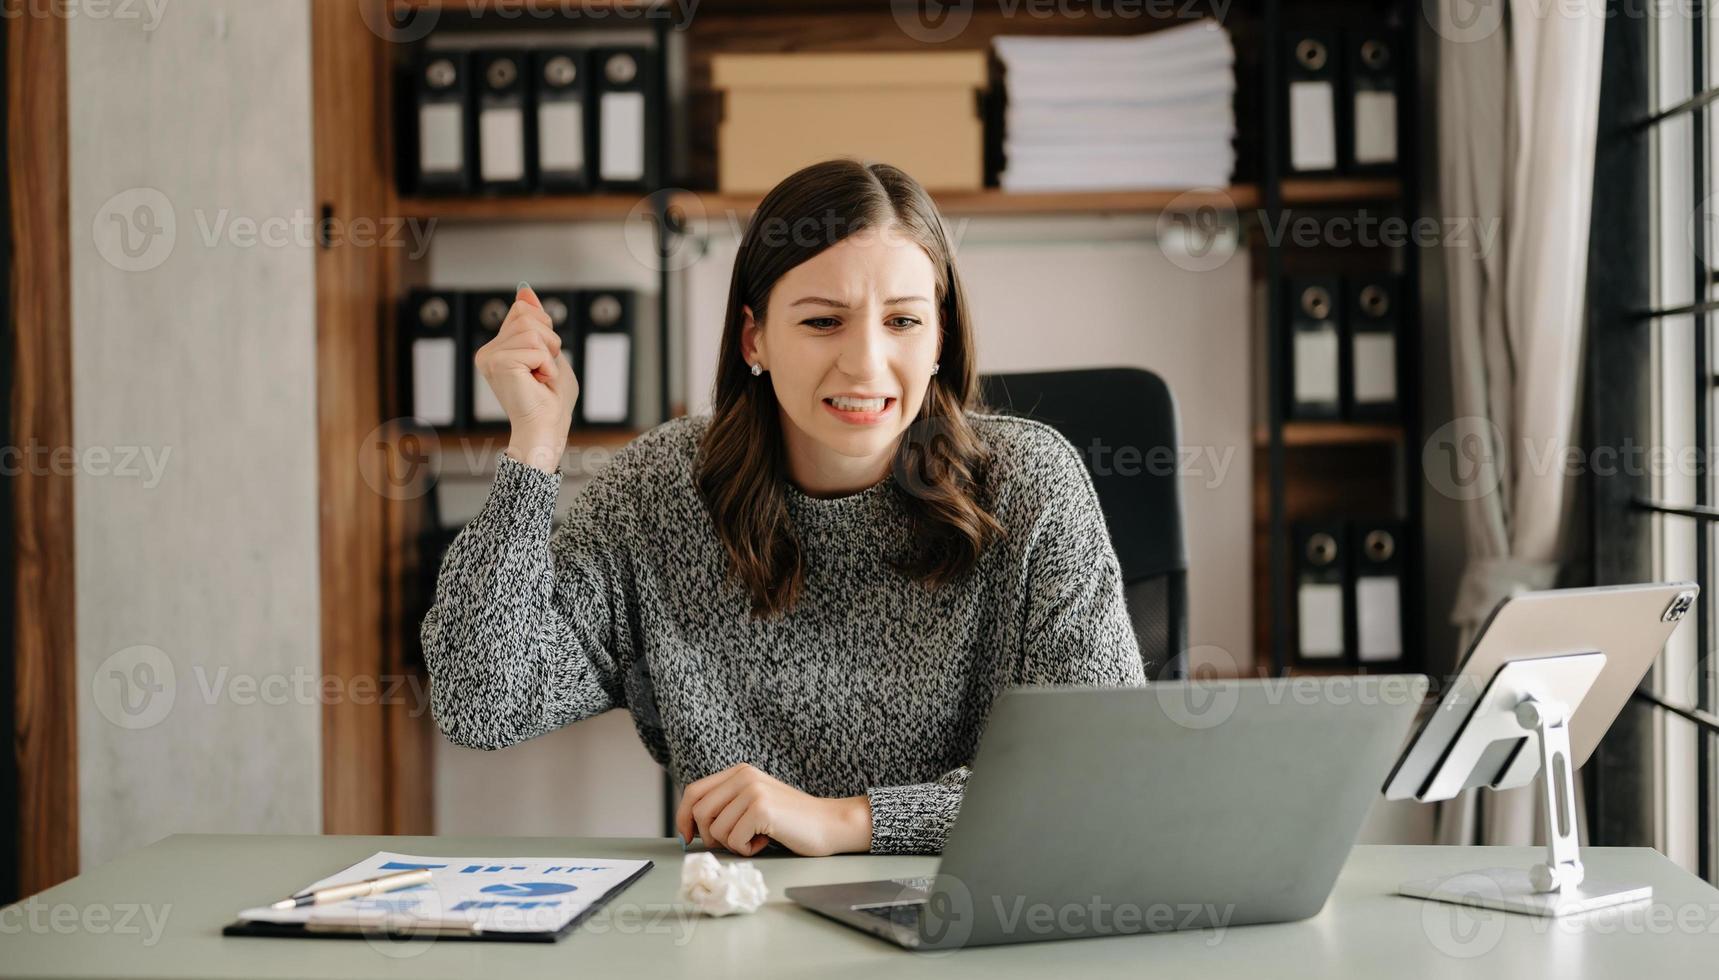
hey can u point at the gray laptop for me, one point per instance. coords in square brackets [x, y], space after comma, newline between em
[1181, 805]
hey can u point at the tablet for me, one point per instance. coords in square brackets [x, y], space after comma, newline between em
[1629, 624]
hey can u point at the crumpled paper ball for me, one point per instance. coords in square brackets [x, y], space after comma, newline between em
[715, 888]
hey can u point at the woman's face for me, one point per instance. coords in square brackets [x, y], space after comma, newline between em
[848, 342]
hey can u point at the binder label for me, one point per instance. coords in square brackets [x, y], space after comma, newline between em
[560, 136]
[622, 140]
[502, 136]
[1312, 126]
[1375, 368]
[608, 374]
[1375, 127]
[440, 146]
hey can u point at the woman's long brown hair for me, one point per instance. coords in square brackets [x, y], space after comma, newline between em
[939, 461]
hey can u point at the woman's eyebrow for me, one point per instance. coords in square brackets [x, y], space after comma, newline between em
[838, 304]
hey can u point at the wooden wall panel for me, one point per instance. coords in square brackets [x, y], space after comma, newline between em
[45, 736]
[351, 128]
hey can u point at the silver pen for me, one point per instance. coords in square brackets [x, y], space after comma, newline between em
[357, 889]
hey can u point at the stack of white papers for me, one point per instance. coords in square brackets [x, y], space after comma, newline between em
[481, 896]
[1119, 113]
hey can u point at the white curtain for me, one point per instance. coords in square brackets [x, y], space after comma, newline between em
[1517, 111]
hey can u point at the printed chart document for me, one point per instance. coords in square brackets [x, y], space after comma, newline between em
[472, 897]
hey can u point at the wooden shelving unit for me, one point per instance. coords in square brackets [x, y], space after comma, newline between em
[609, 207]
[564, 207]
[1317, 470]
[1298, 434]
[588, 438]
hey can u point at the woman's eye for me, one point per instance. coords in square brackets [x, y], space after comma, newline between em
[821, 322]
[904, 321]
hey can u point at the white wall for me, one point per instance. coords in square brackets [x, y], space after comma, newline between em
[197, 574]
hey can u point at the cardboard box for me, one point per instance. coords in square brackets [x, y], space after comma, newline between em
[918, 111]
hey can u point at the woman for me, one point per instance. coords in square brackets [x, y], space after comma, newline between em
[809, 598]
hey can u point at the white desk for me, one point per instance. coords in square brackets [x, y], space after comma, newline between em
[193, 885]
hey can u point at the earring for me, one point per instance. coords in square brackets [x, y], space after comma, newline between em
[935, 366]
[756, 370]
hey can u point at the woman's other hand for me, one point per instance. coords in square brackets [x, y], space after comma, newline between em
[743, 808]
[533, 380]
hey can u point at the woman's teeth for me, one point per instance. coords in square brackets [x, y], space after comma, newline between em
[859, 404]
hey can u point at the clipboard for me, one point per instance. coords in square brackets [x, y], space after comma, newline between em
[395, 926]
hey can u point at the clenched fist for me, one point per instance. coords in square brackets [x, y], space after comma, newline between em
[742, 808]
[533, 380]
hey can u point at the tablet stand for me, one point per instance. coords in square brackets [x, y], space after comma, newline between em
[1525, 700]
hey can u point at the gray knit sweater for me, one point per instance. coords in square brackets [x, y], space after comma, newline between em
[871, 684]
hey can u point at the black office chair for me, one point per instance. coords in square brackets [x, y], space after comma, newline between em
[1115, 408]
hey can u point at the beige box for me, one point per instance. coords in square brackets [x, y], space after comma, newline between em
[918, 111]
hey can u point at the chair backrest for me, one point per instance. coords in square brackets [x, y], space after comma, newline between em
[1123, 422]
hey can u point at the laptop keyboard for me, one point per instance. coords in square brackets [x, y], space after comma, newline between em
[901, 914]
[906, 911]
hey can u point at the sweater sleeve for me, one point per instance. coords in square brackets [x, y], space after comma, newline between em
[529, 628]
[1077, 632]
[1077, 626]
